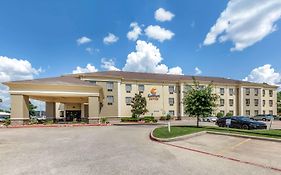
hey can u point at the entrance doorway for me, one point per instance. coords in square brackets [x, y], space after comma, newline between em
[73, 115]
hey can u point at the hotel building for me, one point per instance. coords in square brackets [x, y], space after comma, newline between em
[108, 94]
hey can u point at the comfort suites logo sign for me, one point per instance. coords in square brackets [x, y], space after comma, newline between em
[153, 94]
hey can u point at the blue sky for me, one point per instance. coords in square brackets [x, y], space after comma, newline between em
[45, 34]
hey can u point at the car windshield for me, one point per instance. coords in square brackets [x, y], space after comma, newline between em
[245, 118]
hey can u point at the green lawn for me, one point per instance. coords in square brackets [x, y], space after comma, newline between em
[184, 130]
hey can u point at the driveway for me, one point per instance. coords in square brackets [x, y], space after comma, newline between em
[106, 150]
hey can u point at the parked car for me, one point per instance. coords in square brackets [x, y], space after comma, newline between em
[210, 119]
[4, 116]
[263, 117]
[276, 117]
[241, 122]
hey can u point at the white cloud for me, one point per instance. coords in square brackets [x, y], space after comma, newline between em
[109, 64]
[163, 15]
[110, 39]
[245, 22]
[197, 71]
[135, 32]
[83, 40]
[147, 58]
[12, 69]
[88, 68]
[91, 50]
[158, 33]
[264, 74]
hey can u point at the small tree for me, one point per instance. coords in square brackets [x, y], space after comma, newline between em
[138, 105]
[199, 101]
[220, 114]
[229, 114]
[31, 109]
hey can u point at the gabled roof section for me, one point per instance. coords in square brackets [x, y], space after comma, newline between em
[63, 80]
[141, 76]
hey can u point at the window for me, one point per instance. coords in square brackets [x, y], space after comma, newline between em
[231, 91]
[263, 112]
[248, 112]
[222, 91]
[141, 88]
[171, 89]
[256, 91]
[248, 102]
[270, 103]
[263, 92]
[128, 88]
[270, 93]
[248, 91]
[109, 86]
[171, 101]
[221, 102]
[256, 102]
[172, 112]
[231, 112]
[222, 111]
[128, 101]
[263, 103]
[270, 112]
[256, 112]
[187, 87]
[110, 100]
[230, 102]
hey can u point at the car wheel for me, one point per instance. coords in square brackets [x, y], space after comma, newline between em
[245, 127]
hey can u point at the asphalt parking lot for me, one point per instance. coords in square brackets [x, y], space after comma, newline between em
[124, 150]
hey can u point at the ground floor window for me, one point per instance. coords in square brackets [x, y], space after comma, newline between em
[110, 100]
[128, 101]
[256, 112]
[248, 112]
[271, 112]
[172, 112]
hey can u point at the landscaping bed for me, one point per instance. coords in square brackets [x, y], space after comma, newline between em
[177, 131]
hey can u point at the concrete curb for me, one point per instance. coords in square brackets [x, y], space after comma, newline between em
[244, 136]
[136, 124]
[209, 132]
[54, 125]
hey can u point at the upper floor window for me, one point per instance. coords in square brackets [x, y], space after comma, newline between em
[256, 102]
[248, 112]
[248, 102]
[128, 101]
[221, 102]
[110, 100]
[231, 102]
[256, 91]
[263, 92]
[128, 88]
[270, 103]
[271, 93]
[248, 91]
[171, 101]
[187, 87]
[263, 103]
[109, 86]
[171, 89]
[222, 91]
[231, 91]
[141, 88]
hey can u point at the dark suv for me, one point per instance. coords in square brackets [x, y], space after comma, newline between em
[241, 122]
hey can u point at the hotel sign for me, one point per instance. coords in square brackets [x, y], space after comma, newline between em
[153, 94]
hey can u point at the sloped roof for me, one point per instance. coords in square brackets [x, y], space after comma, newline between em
[163, 77]
[63, 80]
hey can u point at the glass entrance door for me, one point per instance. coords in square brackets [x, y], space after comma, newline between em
[73, 116]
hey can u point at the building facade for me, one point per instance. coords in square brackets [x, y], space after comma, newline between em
[109, 94]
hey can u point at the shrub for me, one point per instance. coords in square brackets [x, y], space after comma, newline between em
[229, 114]
[129, 119]
[103, 120]
[168, 117]
[148, 119]
[33, 121]
[219, 115]
[7, 122]
[48, 122]
[163, 118]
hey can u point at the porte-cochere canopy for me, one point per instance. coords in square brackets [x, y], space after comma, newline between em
[62, 89]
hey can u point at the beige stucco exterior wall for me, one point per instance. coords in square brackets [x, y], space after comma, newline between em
[19, 109]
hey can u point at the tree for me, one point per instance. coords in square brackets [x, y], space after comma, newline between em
[138, 105]
[31, 109]
[199, 101]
